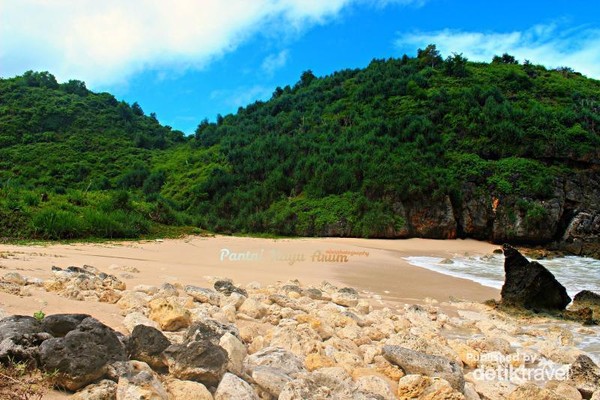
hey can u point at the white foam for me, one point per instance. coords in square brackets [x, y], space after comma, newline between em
[575, 273]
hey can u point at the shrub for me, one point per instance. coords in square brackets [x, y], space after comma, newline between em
[57, 224]
[31, 199]
[115, 224]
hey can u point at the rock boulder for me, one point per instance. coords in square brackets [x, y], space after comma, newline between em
[82, 355]
[197, 360]
[585, 376]
[415, 362]
[147, 344]
[530, 285]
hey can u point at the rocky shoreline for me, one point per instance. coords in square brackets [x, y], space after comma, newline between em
[290, 341]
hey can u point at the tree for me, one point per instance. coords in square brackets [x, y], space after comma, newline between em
[40, 79]
[566, 71]
[529, 69]
[456, 65]
[306, 78]
[505, 59]
[201, 127]
[137, 109]
[278, 92]
[74, 86]
[429, 57]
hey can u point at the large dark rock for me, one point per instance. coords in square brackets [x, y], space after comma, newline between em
[18, 325]
[530, 285]
[587, 297]
[587, 302]
[415, 362]
[147, 344]
[200, 361]
[200, 358]
[22, 348]
[58, 325]
[20, 337]
[83, 354]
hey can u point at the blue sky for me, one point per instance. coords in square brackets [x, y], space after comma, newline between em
[187, 60]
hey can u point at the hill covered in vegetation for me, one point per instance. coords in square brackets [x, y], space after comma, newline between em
[71, 161]
[404, 147]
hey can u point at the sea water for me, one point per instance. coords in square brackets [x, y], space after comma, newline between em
[575, 274]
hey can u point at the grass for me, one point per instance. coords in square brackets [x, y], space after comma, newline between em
[20, 381]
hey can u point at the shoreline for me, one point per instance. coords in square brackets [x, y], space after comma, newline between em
[382, 271]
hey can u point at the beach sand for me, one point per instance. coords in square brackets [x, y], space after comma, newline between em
[369, 265]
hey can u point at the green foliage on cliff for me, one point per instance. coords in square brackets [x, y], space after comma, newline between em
[400, 130]
[336, 155]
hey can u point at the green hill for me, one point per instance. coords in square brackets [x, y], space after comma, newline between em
[71, 161]
[404, 147]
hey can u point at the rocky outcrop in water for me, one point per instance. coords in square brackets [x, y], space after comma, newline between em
[530, 285]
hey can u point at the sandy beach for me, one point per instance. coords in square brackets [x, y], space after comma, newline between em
[376, 266]
[358, 334]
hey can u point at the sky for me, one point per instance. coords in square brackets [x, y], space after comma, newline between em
[187, 60]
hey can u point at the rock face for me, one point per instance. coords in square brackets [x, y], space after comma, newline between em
[586, 297]
[198, 359]
[103, 390]
[20, 337]
[567, 217]
[58, 325]
[415, 362]
[585, 376]
[18, 325]
[147, 344]
[429, 219]
[582, 236]
[187, 390]
[169, 315]
[82, 355]
[530, 285]
[232, 387]
[140, 383]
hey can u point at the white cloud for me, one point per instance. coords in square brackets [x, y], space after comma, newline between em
[550, 45]
[241, 96]
[105, 42]
[273, 62]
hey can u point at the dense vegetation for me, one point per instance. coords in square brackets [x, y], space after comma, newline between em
[77, 164]
[342, 150]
